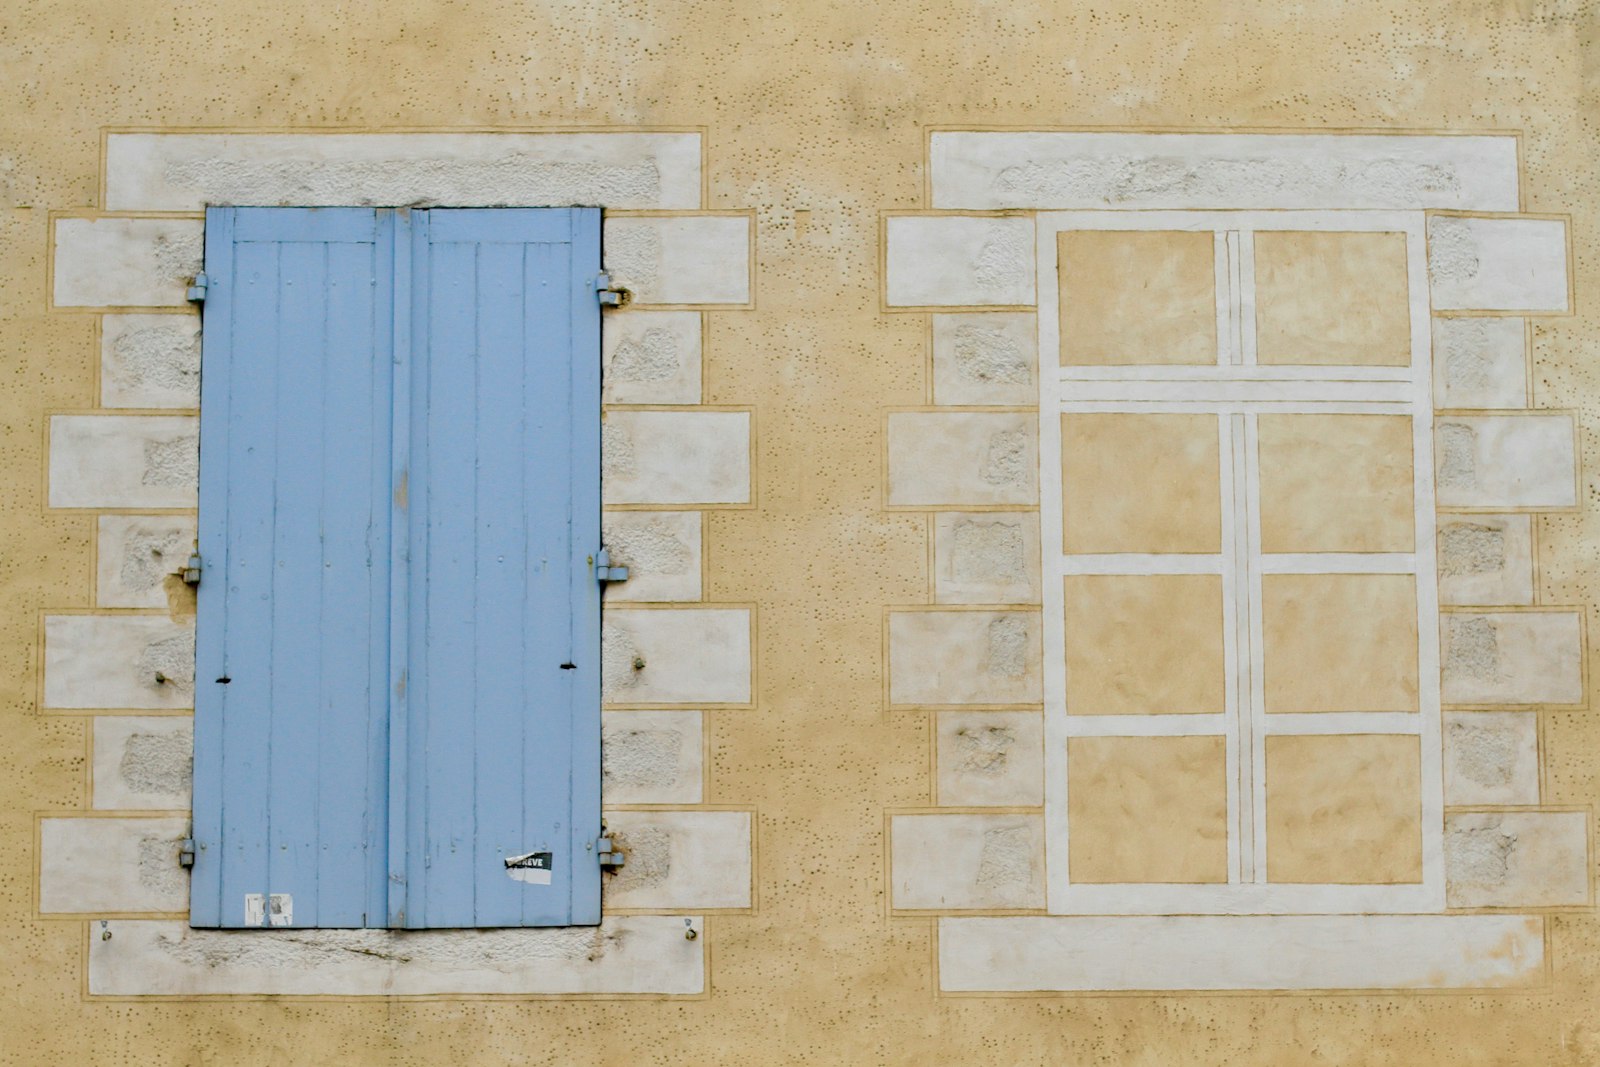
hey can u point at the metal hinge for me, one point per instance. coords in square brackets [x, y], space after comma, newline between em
[611, 296]
[610, 857]
[191, 570]
[196, 293]
[604, 570]
[186, 852]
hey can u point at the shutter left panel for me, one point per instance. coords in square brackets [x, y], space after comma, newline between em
[291, 693]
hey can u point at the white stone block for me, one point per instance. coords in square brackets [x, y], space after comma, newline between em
[1477, 264]
[138, 662]
[112, 865]
[684, 259]
[135, 555]
[650, 357]
[990, 758]
[965, 657]
[986, 557]
[963, 458]
[150, 361]
[124, 461]
[1491, 758]
[1480, 362]
[651, 757]
[114, 262]
[186, 171]
[142, 762]
[680, 859]
[662, 551]
[1506, 461]
[1516, 859]
[624, 954]
[959, 261]
[1485, 559]
[1093, 953]
[1511, 657]
[966, 862]
[1199, 171]
[986, 358]
[675, 457]
[676, 656]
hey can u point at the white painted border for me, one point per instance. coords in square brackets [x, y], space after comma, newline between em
[1236, 396]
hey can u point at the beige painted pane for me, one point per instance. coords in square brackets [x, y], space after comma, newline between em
[1141, 483]
[1344, 809]
[1332, 298]
[1137, 297]
[1147, 809]
[1144, 644]
[1336, 483]
[1340, 642]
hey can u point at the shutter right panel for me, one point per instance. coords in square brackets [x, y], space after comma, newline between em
[503, 694]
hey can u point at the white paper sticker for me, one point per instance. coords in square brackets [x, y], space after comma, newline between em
[280, 909]
[255, 909]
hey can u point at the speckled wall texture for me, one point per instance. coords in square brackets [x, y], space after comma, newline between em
[826, 457]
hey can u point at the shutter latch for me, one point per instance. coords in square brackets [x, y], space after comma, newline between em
[191, 570]
[605, 571]
[196, 293]
[610, 857]
[186, 852]
[611, 296]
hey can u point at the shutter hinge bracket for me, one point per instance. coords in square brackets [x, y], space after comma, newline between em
[191, 570]
[611, 858]
[186, 852]
[611, 296]
[606, 571]
[196, 293]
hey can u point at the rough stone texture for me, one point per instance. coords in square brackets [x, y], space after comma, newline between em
[988, 358]
[964, 657]
[650, 357]
[966, 862]
[114, 262]
[1479, 363]
[675, 457]
[651, 757]
[990, 758]
[112, 865]
[676, 656]
[625, 954]
[953, 261]
[962, 458]
[135, 555]
[986, 559]
[1091, 171]
[662, 551]
[111, 661]
[1302, 952]
[1512, 657]
[1506, 461]
[123, 461]
[689, 259]
[681, 859]
[1491, 758]
[1485, 559]
[150, 361]
[1525, 859]
[142, 762]
[184, 172]
[1497, 264]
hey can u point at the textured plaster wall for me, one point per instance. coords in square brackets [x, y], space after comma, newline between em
[816, 116]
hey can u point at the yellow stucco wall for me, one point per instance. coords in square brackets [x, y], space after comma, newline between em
[815, 115]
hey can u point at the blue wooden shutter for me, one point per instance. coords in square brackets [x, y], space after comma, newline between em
[399, 502]
[503, 696]
[291, 709]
